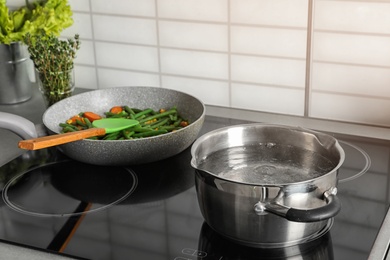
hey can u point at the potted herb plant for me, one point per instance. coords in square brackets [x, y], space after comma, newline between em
[50, 16]
[53, 60]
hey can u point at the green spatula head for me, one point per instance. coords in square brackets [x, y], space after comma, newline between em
[114, 124]
[101, 127]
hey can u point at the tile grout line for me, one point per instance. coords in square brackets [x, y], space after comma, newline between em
[307, 98]
[94, 45]
[158, 43]
[229, 54]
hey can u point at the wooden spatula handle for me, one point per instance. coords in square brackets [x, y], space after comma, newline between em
[53, 140]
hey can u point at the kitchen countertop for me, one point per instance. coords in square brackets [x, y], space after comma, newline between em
[34, 108]
[12, 251]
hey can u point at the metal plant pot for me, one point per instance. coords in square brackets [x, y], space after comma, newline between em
[15, 75]
[267, 185]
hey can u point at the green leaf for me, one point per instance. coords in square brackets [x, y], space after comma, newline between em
[52, 16]
[6, 24]
[19, 17]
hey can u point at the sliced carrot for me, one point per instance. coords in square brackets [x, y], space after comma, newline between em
[91, 116]
[116, 110]
[73, 119]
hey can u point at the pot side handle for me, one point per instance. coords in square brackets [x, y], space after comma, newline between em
[331, 209]
[19, 125]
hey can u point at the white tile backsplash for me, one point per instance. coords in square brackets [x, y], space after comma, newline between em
[199, 36]
[82, 25]
[194, 63]
[350, 108]
[268, 99]
[263, 70]
[85, 77]
[269, 41]
[86, 54]
[80, 5]
[352, 48]
[124, 7]
[124, 56]
[15, 4]
[349, 79]
[291, 13]
[209, 91]
[250, 54]
[119, 78]
[353, 16]
[143, 31]
[197, 10]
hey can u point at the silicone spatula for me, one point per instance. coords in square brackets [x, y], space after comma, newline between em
[101, 127]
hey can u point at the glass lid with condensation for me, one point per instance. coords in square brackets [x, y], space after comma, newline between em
[68, 188]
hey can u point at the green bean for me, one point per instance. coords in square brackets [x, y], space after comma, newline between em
[150, 133]
[170, 128]
[140, 129]
[127, 134]
[148, 123]
[67, 129]
[177, 122]
[173, 117]
[88, 123]
[144, 112]
[136, 110]
[169, 112]
[129, 110]
[79, 122]
[111, 136]
[152, 123]
[63, 125]
[159, 123]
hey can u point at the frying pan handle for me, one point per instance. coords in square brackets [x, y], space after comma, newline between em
[331, 209]
[19, 125]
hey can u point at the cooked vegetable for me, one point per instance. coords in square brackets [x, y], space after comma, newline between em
[91, 116]
[152, 122]
[116, 110]
[142, 114]
[73, 119]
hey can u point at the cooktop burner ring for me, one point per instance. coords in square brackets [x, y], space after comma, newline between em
[366, 158]
[47, 184]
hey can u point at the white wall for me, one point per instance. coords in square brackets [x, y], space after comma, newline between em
[315, 58]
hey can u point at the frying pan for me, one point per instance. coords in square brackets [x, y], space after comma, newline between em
[118, 152]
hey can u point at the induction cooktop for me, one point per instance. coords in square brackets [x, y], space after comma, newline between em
[151, 211]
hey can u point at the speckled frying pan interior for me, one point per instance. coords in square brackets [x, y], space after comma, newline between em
[127, 151]
[100, 101]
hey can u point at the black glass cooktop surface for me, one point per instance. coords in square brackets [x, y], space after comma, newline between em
[151, 211]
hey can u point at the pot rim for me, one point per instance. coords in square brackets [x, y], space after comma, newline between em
[255, 124]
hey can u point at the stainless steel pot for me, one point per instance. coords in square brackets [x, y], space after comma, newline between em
[267, 185]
